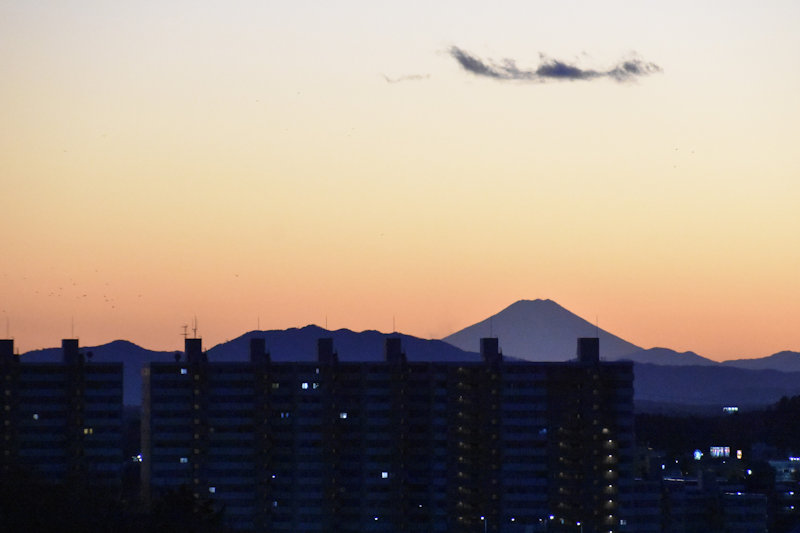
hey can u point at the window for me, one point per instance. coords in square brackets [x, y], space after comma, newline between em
[184, 460]
[384, 475]
[304, 386]
[342, 415]
[183, 371]
[212, 490]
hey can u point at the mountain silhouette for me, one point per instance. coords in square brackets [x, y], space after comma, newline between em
[785, 361]
[540, 330]
[300, 344]
[665, 356]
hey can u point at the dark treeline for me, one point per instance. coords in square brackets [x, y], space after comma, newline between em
[32, 505]
[775, 426]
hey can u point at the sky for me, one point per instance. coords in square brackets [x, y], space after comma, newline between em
[359, 164]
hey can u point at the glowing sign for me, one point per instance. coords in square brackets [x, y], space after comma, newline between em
[720, 451]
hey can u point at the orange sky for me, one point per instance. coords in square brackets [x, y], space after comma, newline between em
[250, 164]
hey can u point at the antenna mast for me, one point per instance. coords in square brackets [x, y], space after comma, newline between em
[185, 334]
[194, 329]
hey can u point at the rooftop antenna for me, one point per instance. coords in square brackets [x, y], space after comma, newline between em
[185, 334]
[194, 329]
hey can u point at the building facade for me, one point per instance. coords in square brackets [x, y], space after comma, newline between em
[394, 446]
[62, 422]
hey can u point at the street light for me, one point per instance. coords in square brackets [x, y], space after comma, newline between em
[483, 519]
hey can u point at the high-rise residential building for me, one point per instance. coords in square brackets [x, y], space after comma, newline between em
[394, 446]
[61, 422]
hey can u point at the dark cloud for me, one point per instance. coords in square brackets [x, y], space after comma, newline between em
[407, 77]
[550, 69]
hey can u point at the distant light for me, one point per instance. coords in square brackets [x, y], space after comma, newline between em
[482, 518]
[698, 455]
[304, 386]
[513, 519]
[212, 490]
[183, 371]
[273, 476]
[184, 460]
[36, 417]
[384, 475]
[749, 472]
[376, 518]
[342, 415]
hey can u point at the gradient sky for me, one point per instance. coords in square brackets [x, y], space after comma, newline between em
[249, 163]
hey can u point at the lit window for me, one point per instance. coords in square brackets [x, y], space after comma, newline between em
[342, 415]
[384, 475]
[315, 385]
[304, 386]
[184, 460]
[88, 431]
[212, 490]
[276, 385]
[36, 416]
[183, 371]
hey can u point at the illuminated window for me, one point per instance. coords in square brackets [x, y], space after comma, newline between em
[212, 490]
[183, 371]
[343, 415]
[184, 460]
[304, 386]
[384, 475]
[88, 431]
[315, 385]
[36, 416]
